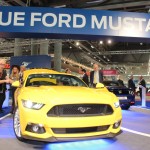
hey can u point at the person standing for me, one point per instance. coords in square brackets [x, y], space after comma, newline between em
[67, 70]
[3, 80]
[120, 81]
[22, 69]
[131, 84]
[14, 76]
[96, 76]
[142, 84]
[85, 77]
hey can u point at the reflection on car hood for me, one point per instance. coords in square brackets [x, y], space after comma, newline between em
[67, 94]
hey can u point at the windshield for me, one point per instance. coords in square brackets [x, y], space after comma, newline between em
[53, 80]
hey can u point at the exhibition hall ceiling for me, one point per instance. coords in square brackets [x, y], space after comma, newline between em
[105, 51]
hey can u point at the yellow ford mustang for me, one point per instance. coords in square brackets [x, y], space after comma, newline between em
[53, 106]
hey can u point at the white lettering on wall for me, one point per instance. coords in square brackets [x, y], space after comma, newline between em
[140, 23]
[49, 16]
[111, 24]
[75, 20]
[8, 22]
[148, 26]
[100, 23]
[19, 16]
[35, 17]
[127, 23]
[64, 19]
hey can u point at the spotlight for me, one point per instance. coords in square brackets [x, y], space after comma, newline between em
[141, 43]
[70, 47]
[109, 41]
[101, 42]
[92, 46]
[77, 43]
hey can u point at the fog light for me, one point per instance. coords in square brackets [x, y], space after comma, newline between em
[116, 124]
[35, 128]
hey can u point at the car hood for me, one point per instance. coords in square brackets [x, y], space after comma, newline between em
[66, 94]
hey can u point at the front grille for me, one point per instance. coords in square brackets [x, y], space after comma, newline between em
[119, 92]
[79, 130]
[80, 110]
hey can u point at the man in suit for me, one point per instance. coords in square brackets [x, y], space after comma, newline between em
[131, 84]
[96, 76]
[85, 77]
[142, 84]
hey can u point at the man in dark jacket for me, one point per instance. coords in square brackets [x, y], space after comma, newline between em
[141, 84]
[131, 84]
[96, 76]
[85, 77]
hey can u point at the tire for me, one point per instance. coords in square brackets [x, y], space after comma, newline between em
[126, 107]
[16, 125]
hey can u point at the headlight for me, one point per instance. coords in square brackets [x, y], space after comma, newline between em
[32, 105]
[117, 104]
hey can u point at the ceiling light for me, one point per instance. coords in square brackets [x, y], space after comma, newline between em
[104, 56]
[109, 41]
[89, 53]
[141, 43]
[101, 42]
[77, 43]
[92, 46]
[80, 47]
[70, 47]
[99, 60]
[94, 57]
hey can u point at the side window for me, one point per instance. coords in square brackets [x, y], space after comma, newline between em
[74, 82]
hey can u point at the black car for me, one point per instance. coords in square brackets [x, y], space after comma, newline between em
[126, 96]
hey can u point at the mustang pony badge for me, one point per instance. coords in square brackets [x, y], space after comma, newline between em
[83, 109]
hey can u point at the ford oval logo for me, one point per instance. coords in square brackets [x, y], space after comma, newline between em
[83, 109]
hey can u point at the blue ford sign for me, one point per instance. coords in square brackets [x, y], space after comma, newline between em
[71, 23]
[36, 61]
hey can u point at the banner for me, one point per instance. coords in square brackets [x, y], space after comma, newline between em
[66, 23]
[110, 72]
[30, 62]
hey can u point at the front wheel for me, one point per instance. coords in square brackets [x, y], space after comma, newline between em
[16, 125]
[125, 107]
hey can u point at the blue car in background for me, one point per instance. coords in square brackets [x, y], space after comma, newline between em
[125, 95]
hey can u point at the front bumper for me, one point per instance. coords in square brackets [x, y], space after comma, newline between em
[60, 139]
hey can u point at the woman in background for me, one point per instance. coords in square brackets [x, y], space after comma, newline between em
[14, 76]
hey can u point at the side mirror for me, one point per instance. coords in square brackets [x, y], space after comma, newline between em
[99, 85]
[16, 84]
